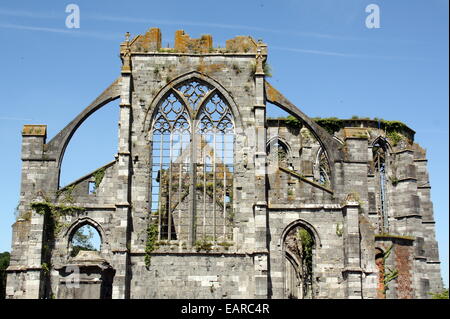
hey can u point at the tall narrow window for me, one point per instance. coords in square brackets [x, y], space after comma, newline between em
[215, 134]
[278, 153]
[298, 249]
[322, 169]
[192, 164]
[379, 152]
[170, 166]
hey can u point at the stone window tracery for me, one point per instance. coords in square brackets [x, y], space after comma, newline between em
[322, 168]
[278, 153]
[193, 164]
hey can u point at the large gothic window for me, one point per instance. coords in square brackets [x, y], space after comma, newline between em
[192, 164]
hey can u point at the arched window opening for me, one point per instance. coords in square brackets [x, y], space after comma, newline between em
[170, 164]
[85, 238]
[298, 247]
[322, 169]
[379, 155]
[192, 164]
[215, 137]
[278, 153]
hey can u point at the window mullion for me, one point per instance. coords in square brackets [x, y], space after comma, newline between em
[204, 195]
[214, 185]
[160, 188]
[192, 191]
[169, 213]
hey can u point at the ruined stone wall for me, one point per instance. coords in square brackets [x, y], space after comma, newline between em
[341, 212]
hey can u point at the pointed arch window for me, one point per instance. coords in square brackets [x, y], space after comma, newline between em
[192, 164]
[278, 153]
[379, 156]
[322, 168]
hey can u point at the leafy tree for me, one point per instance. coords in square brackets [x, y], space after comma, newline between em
[306, 244]
[4, 263]
[82, 240]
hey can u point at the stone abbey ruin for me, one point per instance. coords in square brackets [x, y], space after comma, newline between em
[208, 197]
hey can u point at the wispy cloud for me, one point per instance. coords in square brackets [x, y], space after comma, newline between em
[344, 54]
[100, 17]
[71, 32]
[216, 25]
[29, 14]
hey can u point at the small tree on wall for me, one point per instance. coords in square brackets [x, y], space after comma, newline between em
[305, 248]
[82, 240]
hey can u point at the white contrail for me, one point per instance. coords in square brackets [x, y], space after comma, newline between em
[343, 54]
[14, 119]
[41, 15]
[72, 32]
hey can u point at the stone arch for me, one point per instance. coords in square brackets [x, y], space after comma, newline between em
[298, 273]
[330, 145]
[80, 222]
[304, 224]
[169, 87]
[382, 140]
[58, 144]
[282, 140]
[322, 168]
[284, 145]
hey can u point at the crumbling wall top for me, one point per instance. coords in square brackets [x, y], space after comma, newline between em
[34, 130]
[150, 42]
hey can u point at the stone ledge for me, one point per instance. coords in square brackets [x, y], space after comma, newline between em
[353, 269]
[406, 150]
[305, 206]
[355, 162]
[22, 268]
[38, 159]
[206, 253]
[34, 130]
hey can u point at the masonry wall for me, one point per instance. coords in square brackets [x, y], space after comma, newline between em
[342, 214]
[202, 275]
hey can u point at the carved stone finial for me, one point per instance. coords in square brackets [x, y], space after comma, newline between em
[259, 62]
[125, 54]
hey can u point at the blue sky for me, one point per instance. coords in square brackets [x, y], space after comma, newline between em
[323, 59]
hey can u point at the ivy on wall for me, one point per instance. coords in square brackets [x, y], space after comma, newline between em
[151, 244]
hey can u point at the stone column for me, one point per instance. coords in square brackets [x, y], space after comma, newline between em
[406, 210]
[260, 207]
[430, 245]
[120, 237]
[352, 250]
[28, 231]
